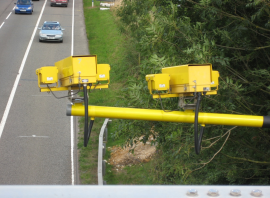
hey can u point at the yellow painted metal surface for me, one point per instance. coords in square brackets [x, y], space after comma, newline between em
[179, 95]
[174, 116]
[77, 69]
[186, 79]
[47, 75]
[103, 72]
[158, 82]
[166, 95]
[179, 74]
[202, 76]
[215, 76]
[72, 72]
[189, 78]
[99, 86]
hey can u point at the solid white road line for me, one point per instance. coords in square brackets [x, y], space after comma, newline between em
[72, 29]
[2, 24]
[72, 150]
[12, 94]
[71, 117]
[9, 15]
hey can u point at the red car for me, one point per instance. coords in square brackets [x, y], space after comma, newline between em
[59, 3]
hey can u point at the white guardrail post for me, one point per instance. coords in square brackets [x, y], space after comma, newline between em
[101, 151]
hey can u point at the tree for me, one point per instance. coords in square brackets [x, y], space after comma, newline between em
[235, 37]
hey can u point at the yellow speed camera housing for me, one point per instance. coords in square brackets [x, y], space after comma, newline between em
[73, 72]
[47, 76]
[158, 82]
[103, 73]
[184, 80]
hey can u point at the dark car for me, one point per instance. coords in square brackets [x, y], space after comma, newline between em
[59, 3]
[24, 6]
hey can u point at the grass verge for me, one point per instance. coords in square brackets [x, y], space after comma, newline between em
[105, 40]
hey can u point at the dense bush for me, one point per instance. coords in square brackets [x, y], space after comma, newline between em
[233, 35]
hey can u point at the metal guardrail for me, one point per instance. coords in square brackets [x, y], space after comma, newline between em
[101, 151]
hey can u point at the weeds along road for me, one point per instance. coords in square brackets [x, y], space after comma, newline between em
[35, 134]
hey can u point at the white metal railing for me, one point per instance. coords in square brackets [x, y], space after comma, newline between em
[133, 191]
[101, 151]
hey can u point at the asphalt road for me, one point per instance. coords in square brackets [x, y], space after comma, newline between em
[35, 144]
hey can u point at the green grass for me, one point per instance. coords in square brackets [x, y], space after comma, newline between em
[112, 48]
[104, 41]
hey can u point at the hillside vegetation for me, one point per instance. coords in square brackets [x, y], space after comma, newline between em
[233, 35]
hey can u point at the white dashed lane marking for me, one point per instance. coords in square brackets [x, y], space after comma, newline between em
[34, 136]
[9, 15]
[2, 25]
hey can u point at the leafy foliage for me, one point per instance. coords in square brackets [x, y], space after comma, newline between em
[235, 37]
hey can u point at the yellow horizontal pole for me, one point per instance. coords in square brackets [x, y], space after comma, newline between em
[173, 116]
